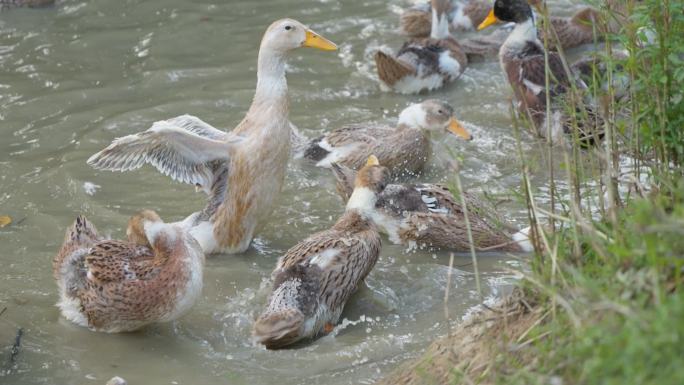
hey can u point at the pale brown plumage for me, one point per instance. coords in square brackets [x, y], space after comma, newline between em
[315, 278]
[429, 215]
[402, 148]
[117, 286]
[243, 170]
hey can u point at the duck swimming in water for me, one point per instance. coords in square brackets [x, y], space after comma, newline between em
[402, 148]
[314, 280]
[424, 64]
[427, 215]
[523, 60]
[243, 170]
[120, 286]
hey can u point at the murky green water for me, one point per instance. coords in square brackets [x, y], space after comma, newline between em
[75, 76]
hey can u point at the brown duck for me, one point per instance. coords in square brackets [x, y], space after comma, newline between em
[403, 148]
[429, 216]
[522, 58]
[118, 286]
[314, 279]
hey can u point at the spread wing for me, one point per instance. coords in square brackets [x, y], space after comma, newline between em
[116, 261]
[184, 148]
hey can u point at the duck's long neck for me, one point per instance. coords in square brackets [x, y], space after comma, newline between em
[440, 24]
[362, 200]
[271, 89]
[522, 33]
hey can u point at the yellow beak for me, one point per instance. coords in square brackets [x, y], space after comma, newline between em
[372, 161]
[457, 129]
[491, 19]
[315, 40]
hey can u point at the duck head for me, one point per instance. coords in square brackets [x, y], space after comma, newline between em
[138, 224]
[516, 11]
[370, 181]
[433, 115]
[285, 35]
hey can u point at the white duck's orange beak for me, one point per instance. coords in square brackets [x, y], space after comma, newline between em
[457, 129]
[489, 20]
[314, 40]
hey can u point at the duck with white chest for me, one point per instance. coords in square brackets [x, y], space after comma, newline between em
[523, 60]
[403, 148]
[243, 171]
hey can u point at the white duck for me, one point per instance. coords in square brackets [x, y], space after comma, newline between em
[243, 170]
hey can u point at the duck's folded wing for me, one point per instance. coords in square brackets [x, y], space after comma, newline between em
[117, 261]
[356, 134]
[182, 148]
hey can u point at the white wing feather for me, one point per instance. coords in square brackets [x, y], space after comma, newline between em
[182, 148]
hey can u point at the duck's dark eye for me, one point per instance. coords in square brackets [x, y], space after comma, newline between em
[440, 111]
[288, 27]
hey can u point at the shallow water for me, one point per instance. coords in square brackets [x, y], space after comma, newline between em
[75, 76]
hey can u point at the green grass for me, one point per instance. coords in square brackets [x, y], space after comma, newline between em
[610, 288]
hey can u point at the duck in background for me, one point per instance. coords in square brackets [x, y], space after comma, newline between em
[424, 215]
[120, 286]
[523, 61]
[242, 170]
[583, 27]
[416, 22]
[403, 148]
[424, 64]
[314, 280]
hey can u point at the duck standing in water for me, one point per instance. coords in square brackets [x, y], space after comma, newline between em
[522, 58]
[316, 277]
[404, 148]
[119, 286]
[428, 215]
[243, 170]
[424, 64]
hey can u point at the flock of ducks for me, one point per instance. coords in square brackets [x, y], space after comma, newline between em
[156, 274]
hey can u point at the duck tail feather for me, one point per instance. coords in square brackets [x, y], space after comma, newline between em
[390, 69]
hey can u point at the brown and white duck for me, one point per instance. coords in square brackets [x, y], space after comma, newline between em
[584, 27]
[425, 215]
[424, 64]
[118, 286]
[522, 58]
[402, 148]
[244, 169]
[314, 280]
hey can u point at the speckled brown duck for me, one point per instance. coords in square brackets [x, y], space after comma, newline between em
[424, 64]
[428, 215]
[402, 148]
[523, 60]
[316, 277]
[118, 286]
